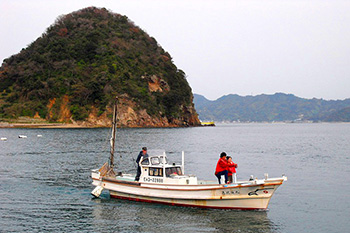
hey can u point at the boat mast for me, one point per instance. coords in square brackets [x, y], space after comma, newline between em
[114, 129]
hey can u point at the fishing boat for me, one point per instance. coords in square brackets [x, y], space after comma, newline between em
[166, 183]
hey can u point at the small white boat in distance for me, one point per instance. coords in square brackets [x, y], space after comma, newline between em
[3, 139]
[165, 183]
[22, 136]
[39, 135]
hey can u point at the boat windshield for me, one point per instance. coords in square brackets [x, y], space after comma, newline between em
[157, 156]
[158, 160]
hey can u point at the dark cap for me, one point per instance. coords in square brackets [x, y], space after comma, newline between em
[144, 148]
[222, 154]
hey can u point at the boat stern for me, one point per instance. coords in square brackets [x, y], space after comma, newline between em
[95, 176]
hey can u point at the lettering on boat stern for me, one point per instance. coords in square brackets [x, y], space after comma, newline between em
[230, 192]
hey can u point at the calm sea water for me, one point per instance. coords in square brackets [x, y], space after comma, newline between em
[45, 183]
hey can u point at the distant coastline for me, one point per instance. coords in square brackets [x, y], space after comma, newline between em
[279, 107]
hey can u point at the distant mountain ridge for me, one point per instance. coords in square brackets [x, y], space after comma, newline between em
[269, 108]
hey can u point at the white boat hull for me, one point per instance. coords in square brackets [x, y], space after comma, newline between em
[245, 195]
[244, 204]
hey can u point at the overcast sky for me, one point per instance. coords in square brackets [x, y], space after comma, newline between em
[224, 46]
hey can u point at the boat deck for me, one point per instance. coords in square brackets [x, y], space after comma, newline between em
[131, 178]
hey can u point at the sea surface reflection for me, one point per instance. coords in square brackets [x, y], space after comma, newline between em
[146, 217]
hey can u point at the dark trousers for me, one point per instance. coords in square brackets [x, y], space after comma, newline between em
[138, 173]
[219, 174]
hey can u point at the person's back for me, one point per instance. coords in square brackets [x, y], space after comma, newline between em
[142, 155]
[139, 157]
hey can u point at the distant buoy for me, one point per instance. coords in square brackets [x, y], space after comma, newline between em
[39, 135]
[3, 139]
[22, 136]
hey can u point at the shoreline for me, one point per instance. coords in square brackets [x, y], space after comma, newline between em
[38, 123]
[45, 125]
[8, 125]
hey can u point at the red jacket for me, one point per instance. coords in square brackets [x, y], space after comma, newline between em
[221, 166]
[231, 168]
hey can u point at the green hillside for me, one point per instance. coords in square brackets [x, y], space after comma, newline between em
[88, 57]
[268, 108]
[343, 115]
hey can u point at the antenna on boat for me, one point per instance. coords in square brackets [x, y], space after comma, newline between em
[114, 129]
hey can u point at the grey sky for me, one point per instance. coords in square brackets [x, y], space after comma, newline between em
[239, 47]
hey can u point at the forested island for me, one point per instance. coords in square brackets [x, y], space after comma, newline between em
[73, 72]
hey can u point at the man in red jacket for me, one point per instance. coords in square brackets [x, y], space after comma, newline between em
[221, 168]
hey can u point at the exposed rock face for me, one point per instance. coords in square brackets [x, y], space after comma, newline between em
[156, 84]
[58, 110]
[97, 120]
[129, 115]
[65, 114]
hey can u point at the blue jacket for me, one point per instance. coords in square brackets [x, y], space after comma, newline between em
[140, 156]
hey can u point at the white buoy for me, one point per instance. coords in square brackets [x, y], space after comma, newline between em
[3, 139]
[97, 191]
[22, 136]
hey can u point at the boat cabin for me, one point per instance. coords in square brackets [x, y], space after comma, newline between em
[156, 169]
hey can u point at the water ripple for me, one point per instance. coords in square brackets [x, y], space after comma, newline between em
[45, 182]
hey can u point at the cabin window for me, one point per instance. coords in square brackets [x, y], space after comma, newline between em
[145, 161]
[155, 160]
[173, 171]
[155, 171]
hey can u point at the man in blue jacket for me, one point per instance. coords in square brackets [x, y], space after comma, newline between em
[142, 155]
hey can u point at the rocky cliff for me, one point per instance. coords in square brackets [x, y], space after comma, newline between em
[73, 72]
